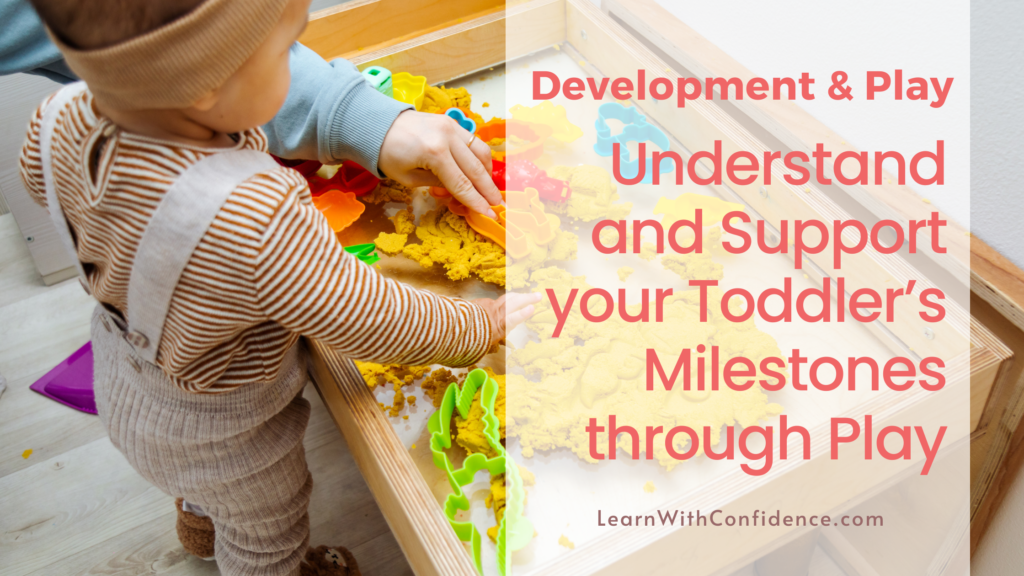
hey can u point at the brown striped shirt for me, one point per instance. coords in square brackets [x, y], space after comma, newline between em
[268, 270]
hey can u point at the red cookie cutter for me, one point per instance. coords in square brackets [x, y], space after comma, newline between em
[305, 167]
[351, 177]
[521, 174]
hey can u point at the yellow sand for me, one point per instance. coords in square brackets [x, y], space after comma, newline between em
[437, 100]
[648, 251]
[597, 369]
[685, 206]
[391, 243]
[436, 383]
[388, 191]
[448, 240]
[564, 541]
[404, 221]
[397, 375]
[697, 266]
[649, 487]
[593, 194]
[563, 247]
[470, 431]
[624, 273]
[496, 500]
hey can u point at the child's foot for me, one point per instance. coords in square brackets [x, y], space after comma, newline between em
[194, 532]
[324, 561]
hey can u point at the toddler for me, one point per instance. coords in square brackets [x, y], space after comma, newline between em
[209, 261]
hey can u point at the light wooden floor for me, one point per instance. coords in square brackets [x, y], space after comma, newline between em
[75, 507]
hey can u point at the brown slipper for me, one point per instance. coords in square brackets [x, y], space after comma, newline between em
[324, 561]
[194, 532]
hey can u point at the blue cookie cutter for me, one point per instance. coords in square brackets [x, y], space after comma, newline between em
[460, 117]
[380, 78]
[636, 129]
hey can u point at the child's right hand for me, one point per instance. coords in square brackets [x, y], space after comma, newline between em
[507, 312]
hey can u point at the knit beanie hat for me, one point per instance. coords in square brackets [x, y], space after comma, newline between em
[178, 63]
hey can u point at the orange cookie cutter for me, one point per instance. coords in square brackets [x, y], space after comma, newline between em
[523, 223]
[534, 136]
[340, 208]
[527, 223]
[490, 228]
[493, 129]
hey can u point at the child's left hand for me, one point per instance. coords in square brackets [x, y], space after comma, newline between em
[422, 149]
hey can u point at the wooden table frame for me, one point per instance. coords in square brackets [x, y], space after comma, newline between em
[447, 40]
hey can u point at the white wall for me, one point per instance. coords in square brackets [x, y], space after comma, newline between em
[997, 125]
[997, 128]
[922, 37]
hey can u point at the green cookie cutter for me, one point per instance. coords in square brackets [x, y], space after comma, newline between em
[365, 252]
[515, 531]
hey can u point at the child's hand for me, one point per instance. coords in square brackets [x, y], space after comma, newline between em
[422, 149]
[507, 312]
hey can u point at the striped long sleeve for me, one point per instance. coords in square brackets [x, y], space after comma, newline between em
[268, 270]
[309, 284]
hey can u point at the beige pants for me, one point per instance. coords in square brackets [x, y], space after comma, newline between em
[237, 455]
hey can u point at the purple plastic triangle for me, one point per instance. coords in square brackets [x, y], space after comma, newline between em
[70, 382]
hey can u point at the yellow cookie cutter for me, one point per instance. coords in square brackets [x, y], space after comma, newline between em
[409, 89]
[685, 207]
[547, 114]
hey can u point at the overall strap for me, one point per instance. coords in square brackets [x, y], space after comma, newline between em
[179, 223]
[49, 123]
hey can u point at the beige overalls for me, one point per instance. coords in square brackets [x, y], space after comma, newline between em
[236, 457]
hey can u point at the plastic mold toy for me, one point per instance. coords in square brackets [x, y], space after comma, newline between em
[636, 129]
[498, 174]
[551, 116]
[523, 174]
[527, 224]
[459, 116]
[408, 88]
[366, 253]
[495, 230]
[380, 79]
[519, 227]
[305, 167]
[531, 136]
[340, 208]
[515, 530]
[493, 129]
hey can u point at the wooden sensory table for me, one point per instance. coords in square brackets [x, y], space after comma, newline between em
[447, 40]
